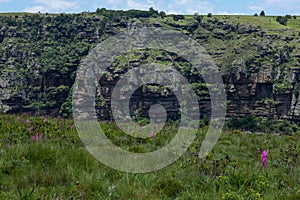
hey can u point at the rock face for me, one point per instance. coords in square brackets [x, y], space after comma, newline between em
[39, 56]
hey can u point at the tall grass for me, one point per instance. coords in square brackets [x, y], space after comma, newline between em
[57, 166]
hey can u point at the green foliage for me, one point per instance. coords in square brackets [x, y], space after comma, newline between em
[59, 167]
[25, 196]
[252, 123]
[153, 11]
[114, 15]
[178, 17]
[162, 14]
[288, 16]
[170, 187]
[66, 108]
[282, 20]
[283, 87]
[198, 17]
[248, 122]
[262, 13]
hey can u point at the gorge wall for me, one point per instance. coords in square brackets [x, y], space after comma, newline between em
[257, 56]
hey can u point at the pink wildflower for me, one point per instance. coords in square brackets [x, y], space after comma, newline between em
[153, 134]
[19, 119]
[72, 126]
[59, 117]
[36, 137]
[28, 121]
[45, 119]
[264, 157]
[31, 128]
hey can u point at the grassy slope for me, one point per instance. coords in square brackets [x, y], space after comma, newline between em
[53, 165]
[268, 24]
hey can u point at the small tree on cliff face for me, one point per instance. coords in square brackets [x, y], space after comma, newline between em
[282, 20]
[162, 14]
[262, 13]
[178, 17]
[153, 11]
[198, 17]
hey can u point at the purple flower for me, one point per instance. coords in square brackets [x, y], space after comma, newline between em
[264, 157]
[153, 134]
[39, 135]
[36, 137]
[31, 128]
[59, 117]
[72, 126]
[19, 119]
[28, 121]
[45, 119]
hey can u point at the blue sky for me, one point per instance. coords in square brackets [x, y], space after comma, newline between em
[271, 7]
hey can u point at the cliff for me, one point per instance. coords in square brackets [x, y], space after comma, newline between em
[257, 56]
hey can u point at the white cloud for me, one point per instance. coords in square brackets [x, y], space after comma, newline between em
[129, 4]
[115, 2]
[139, 5]
[191, 6]
[277, 6]
[53, 6]
[182, 2]
[172, 12]
[228, 13]
[35, 9]
[169, 6]
[255, 7]
[280, 1]
[283, 4]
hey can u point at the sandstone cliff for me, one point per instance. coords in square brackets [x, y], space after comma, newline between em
[257, 56]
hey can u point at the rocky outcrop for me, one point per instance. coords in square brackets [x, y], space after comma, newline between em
[39, 56]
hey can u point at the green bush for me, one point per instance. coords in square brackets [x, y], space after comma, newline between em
[282, 20]
[178, 17]
[170, 187]
[248, 122]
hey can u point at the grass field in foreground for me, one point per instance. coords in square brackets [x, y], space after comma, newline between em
[55, 165]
